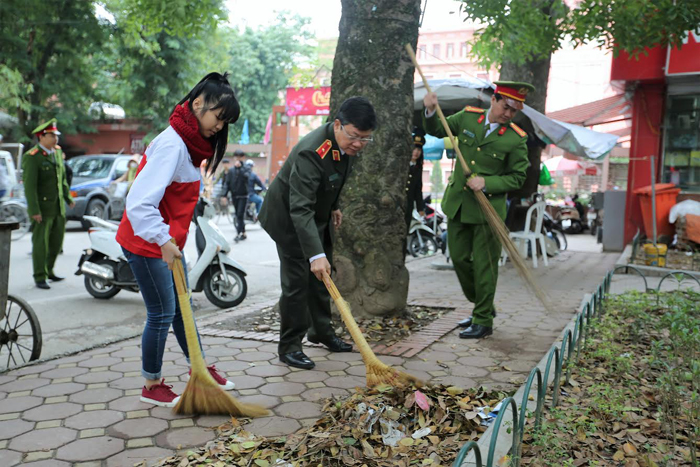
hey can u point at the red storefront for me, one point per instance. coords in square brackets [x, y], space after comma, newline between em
[665, 89]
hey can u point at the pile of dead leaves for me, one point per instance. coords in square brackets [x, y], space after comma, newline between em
[617, 409]
[373, 428]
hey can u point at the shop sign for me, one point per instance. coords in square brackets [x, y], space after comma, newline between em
[686, 60]
[308, 101]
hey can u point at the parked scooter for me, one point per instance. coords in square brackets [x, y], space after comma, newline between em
[568, 219]
[421, 238]
[107, 272]
[436, 221]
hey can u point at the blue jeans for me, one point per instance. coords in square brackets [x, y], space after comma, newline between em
[162, 310]
[257, 199]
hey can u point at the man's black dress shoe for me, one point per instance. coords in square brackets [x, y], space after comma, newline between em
[298, 360]
[56, 278]
[43, 285]
[476, 331]
[334, 344]
[465, 323]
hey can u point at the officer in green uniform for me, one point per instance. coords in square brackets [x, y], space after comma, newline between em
[47, 192]
[496, 152]
[300, 213]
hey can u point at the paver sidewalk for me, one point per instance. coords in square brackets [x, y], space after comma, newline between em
[84, 410]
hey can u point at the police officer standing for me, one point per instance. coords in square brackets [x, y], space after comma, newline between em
[496, 152]
[47, 191]
[300, 213]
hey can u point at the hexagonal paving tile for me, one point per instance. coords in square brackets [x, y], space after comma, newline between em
[298, 410]
[138, 428]
[126, 367]
[319, 394]
[127, 352]
[482, 362]
[330, 365]
[132, 382]
[24, 385]
[90, 449]
[61, 389]
[345, 382]
[268, 370]
[166, 413]
[211, 421]
[94, 419]
[242, 344]
[185, 437]
[460, 382]
[134, 456]
[266, 401]
[47, 463]
[419, 365]
[255, 356]
[307, 376]
[272, 426]
[94, 396]
[33, 369]
[282, 389]
[211, 340]
[98, 377]
[19, 404]
[99, 362]
[345, 357]
[129, 403]
[233, 365]
[9, 458]
[11, 428]
[52, 411]
[219, 351]
[37, 440]
[468, 372]
[247, 382]
[64, 372]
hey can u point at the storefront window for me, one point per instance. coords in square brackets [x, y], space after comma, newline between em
[682, 142]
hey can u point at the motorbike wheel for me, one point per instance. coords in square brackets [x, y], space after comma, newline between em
[429, 247]
[99, 289]
[560, 238]
[20, 333]
[97, 208]
[15, 212]
[214, 285]
[575, 228]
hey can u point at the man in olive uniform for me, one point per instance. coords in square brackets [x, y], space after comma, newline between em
[47, 192]
[496, 152]
[300, 213]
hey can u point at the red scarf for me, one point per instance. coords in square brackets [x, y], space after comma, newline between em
[185, 124]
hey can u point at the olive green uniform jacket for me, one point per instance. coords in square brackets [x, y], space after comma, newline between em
[501, 159]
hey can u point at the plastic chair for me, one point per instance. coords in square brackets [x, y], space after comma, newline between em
[532, 236]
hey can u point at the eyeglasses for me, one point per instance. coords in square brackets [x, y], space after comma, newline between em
[357, 138]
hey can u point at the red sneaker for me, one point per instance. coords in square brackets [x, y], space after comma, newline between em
[160, 394]
[220, 380]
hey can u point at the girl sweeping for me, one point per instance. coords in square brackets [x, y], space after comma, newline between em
[159, 208]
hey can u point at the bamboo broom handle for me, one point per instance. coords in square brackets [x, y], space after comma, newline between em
[462, 162]
[348, 319]
[195, 353]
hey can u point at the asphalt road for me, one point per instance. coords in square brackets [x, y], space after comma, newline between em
[72, 320]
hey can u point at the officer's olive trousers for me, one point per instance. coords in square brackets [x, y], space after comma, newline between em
[47, 240]
[475, 252]
[305, 305]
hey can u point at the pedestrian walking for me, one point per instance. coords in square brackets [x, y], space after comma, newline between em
[300, 213]
[47, 192]
[496, 151]
[238, 187]
[253, 183]
[159, 209]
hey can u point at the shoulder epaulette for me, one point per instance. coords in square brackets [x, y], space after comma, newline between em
[324, 148]
[518, 130]
[476, 110]
[33, 151]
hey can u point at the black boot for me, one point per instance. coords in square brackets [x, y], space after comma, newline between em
[465, 323]
[476, 331]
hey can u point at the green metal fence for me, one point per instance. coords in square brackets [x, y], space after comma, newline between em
[571, 346]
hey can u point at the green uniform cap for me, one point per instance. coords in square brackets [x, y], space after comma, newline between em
[514, 92]
[48, 127]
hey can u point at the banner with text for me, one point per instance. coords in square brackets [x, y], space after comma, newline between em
[308, 101]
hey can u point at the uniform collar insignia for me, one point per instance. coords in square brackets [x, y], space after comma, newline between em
[336, 155]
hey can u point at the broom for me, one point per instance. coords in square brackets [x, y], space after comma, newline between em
[492, 217]
[377, 371]
[202, 395]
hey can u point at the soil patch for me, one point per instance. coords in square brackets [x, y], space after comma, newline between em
[386, 330]
[633, 396]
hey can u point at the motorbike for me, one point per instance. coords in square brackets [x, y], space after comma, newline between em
[421, 238]
[107, 271]
[437, 221]
[568, 219]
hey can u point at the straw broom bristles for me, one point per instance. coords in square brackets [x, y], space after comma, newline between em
[377, 371]
[492, 217]
[203, 395]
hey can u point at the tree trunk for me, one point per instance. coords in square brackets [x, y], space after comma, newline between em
[371, 61]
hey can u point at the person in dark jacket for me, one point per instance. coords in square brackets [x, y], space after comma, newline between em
[237, 185]
[300, 213]
[253, 182]
[414, 184]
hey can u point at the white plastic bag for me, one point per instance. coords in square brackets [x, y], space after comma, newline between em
[682, 209]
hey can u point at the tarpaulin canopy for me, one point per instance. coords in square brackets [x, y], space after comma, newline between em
[455, 94]
[560, 166]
